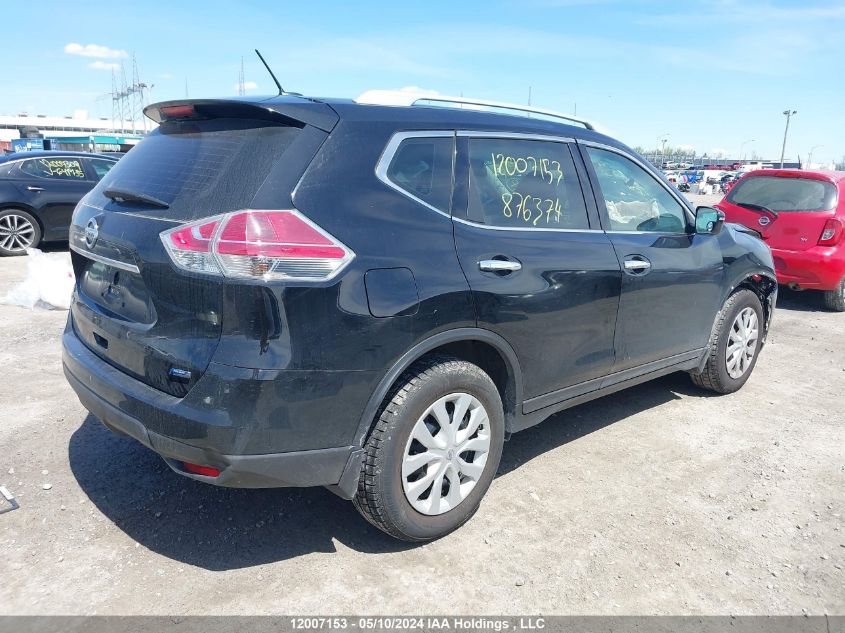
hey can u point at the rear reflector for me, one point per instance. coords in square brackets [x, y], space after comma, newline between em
[271, 245]
[831, 233]
[196, 469]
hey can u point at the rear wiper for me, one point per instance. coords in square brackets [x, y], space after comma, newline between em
[757, 207]
[121, 195]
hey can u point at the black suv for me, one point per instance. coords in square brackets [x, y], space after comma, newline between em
[311, 292]
[38, 192]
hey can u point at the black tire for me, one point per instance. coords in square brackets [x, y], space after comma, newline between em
[381, 498]
[715, 376]
[27, 227]
[835, 299]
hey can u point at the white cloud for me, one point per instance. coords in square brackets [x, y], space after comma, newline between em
[749, 12]
[98, 65]
[743, 33]
[94, 50]
[248, 85]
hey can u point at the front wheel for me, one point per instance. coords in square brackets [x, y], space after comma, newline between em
[433, 452]
[835, 299]
[734, 344]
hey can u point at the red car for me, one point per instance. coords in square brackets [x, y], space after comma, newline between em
[801, 216]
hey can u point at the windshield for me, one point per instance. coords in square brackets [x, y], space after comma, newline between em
[784, 194]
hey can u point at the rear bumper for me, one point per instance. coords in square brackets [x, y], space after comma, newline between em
[111, 395]
[817, 268]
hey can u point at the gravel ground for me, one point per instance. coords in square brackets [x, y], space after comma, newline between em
[661, 499]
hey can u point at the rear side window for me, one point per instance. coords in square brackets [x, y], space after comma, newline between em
[201, 168]
[784, 194]
[422, 167]
[101, 167]
[517, 183]
[54, 168]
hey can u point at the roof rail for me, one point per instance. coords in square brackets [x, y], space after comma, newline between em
[408, 98]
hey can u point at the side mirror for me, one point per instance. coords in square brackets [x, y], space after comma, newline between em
[708, 221]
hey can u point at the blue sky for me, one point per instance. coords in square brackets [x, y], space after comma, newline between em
[707, 74]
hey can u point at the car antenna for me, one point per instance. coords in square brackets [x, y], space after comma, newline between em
[267, 66]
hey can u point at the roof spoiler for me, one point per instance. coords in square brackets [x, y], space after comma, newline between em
[293, 111]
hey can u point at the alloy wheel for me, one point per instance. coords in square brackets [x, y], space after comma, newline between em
[16, 233]
[446, 454]
[742, 343]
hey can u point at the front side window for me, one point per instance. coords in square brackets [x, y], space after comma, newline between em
[422, 167]
[784, 194]
[520, 183]
[54, 168]
[101, 167]
[634, 199]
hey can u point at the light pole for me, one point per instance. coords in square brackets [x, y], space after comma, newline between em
[810, 155]
[662, 139]
[788, 114]
[741, 145]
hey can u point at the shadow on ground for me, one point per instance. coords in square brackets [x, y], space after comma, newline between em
[223, 528]
[54, 247]
[800, 301]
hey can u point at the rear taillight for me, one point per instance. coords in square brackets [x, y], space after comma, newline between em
[831, 233]
[189, 245]
[257, 244]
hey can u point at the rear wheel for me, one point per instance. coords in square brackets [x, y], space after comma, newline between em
[734, 344]
[18, 232]
[433, 452]
[835, 299]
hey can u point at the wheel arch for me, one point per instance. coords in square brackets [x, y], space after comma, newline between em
[482, 347]
[764, 284]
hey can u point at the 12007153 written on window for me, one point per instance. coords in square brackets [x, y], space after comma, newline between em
[520, 183]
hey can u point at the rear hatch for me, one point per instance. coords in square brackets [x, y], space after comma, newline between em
[789, 209]
[132, 307]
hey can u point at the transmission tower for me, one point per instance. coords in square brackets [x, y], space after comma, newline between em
[137, 93]
[128, 99]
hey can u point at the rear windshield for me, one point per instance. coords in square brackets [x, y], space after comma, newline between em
[200, 168]
[784, 194]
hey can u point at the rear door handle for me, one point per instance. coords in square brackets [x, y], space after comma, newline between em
[637, 265]
[31, 188]
[499, 266]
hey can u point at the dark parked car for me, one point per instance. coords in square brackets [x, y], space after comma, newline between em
[306, 292]
[38, 192]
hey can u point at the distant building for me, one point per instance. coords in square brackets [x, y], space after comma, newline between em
[78, 132]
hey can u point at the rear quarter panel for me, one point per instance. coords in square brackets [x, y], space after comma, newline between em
[386, 230]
